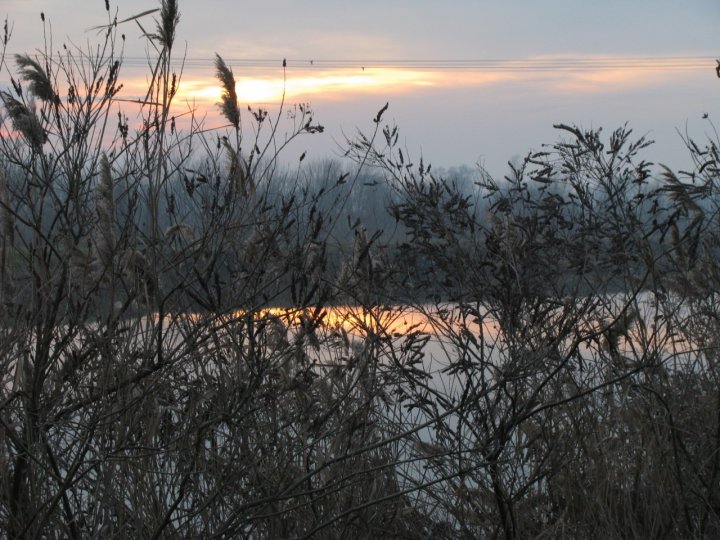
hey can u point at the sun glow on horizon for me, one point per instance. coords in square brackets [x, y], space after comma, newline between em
[551, 74]
[329, 84]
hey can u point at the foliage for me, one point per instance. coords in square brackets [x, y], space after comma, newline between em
[195, 343]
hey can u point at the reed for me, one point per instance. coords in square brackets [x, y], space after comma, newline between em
[229, 105]
[105, 209]
[30, 71]
[199, 341]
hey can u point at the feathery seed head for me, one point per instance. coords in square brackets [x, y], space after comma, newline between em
[104, 206]
[241, 181]
[229, 105]
[105, 189]
[24, 120]
[179, 231]
[32, 72]
[169, 19]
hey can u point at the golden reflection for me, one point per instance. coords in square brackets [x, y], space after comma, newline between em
[355, 321]
[439, 322]
[386, 321]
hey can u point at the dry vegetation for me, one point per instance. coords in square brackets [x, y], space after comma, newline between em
[564, 384]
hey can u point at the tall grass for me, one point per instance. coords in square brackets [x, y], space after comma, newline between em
[562, 382]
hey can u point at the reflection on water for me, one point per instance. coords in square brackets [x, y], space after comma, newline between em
[357, 321]
[385, 321]
[619, 328]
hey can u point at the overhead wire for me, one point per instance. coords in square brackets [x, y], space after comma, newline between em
[578, 63]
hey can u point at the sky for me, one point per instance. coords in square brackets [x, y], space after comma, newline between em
[467, 82]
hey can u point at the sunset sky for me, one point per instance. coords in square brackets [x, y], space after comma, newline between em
[467, 81]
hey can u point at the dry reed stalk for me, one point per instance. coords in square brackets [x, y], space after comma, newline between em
[7, 228]
[7, 220]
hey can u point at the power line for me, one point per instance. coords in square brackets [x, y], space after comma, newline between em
[627, 63]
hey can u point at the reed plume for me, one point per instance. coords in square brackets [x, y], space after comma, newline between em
[179, 232]
[169, 19]
[678, 192]
[242, 182]
[32, 72]
[24, 120]
[104, 206]
[229, 105]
